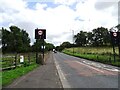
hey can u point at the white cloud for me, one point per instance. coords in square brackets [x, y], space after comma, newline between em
[65, 2]
[59, 21]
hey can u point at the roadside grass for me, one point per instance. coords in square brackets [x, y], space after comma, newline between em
[10, 75]
[101, 54]
[93, 50]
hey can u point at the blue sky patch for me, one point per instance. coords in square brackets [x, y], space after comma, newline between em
[31, 5]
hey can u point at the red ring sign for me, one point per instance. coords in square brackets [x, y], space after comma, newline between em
[115, 34]
[40, 32]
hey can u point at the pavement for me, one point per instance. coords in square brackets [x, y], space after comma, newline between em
[45, 76]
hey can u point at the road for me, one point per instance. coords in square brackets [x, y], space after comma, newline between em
[80, 73]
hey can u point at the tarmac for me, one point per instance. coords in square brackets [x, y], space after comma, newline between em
[44, 76]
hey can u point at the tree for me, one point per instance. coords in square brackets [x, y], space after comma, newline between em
[66, 45]
[89, 38]
[36, 47]
[81, 38]
[15, 40]
[98, 37]
[59, 48]
[49, 46]
[101, 36]
[5, 40]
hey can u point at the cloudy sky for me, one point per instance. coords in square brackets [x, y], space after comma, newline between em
[58, 17]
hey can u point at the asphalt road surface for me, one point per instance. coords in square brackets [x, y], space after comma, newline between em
[80, 73]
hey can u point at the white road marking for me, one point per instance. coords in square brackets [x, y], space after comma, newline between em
[101, 66]
[64, 81]
[90, 66]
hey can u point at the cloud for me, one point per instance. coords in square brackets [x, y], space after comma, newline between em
[103, 5]
[59, 21]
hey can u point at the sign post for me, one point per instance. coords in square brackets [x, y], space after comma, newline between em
[41, 34]
[115, 36]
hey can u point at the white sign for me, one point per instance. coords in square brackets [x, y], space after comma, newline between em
[42, 47]
[40, 32]
[115, 34]
[21, 59]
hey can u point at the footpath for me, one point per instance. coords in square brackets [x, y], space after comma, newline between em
[45, 76]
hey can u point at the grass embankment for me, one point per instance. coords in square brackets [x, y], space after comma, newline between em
[99, 54]
[10, 75]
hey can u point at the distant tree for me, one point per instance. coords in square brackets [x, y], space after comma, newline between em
[66, 45]
[98, 37]
[59, 48]
[63, 45]
[49, 46]
[101, 36]
[80, 38]
[37, 45]
[89, 38]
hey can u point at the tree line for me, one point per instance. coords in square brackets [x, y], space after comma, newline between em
[18, 40]
[96, 38]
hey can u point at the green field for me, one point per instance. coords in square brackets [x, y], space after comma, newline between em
[99, 54]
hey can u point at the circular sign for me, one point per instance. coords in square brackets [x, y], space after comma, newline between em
[40, 32]
[115, 34]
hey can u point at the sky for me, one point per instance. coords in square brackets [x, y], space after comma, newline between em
[59, 17]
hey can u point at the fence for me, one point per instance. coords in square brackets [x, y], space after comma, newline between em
[10, 61]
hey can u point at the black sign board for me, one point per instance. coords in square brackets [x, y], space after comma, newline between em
[115, 37]
[40, 33]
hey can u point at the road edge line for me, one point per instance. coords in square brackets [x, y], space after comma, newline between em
[63, 80]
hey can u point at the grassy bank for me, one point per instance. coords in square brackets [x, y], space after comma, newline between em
[100, 54]
[9, 76]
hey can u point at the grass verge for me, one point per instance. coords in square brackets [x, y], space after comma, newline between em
[95, 57]
[9, 76]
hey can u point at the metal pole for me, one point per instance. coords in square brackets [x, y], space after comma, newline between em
[43, 52]
[114, 53]
[73, 40]
[36, 53]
